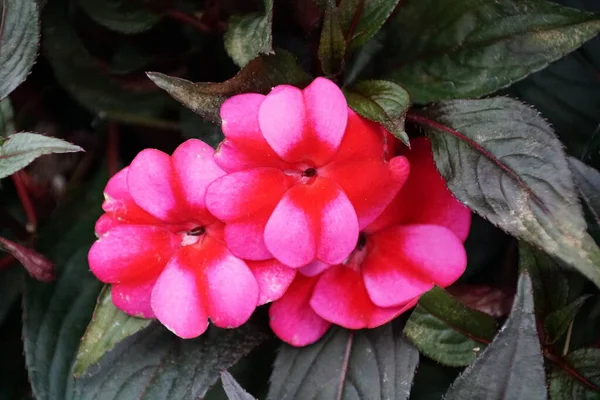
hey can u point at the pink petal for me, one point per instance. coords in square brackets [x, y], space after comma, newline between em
[230, 287]
[119, 203]
[105, 223]
[131, 252]
[196, 169]
[363, 140]
[178, 300]
[273, 279]
[314, 268]
[242, 155]
[406, 261]
[304, 125]
[370, 185]
[152, 184]
[246, 238]
[383, 315]
[134, 298]
[291, 317]
[312, 221]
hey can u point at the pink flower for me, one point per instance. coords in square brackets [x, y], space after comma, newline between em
[305, 174]
[416, 243]
[164, 253]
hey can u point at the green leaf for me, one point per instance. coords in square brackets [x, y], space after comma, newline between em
[123, 16]
[260, 75]
[20, 149]
[233, 389]
[250, 35]
[155, 364]
[512, 367]
[361, 19]
[501, 159]
[79, 74]
[332, 46]
[381, 101]
[109, 326]
[19, 37]
[473, 47]
[447, 331]
[557, 322]
[367, 364]
[587, 181]
[7, 124]
[565, 386]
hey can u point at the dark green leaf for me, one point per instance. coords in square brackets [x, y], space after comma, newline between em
[512, 367]
[367, 364]
[194, 126]
[11, 287]
[447, 331]
[383, 102]
[7, 124]
[19, 39]
[470, 48]
[260, 75]
[233, 389]
[432, 380]
[361, 19]
[332, 45]
[155, 364]
[123, 16]
[587, 180]
[108, 327]
[20, 149]
[502, 160]
[250, 35]
[586, 385]
[78, 73]
[557, 322]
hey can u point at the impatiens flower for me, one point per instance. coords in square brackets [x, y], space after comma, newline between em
[416, 243]
[164, 253]
[305, 175]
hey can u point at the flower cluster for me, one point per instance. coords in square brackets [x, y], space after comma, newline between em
[304, 204]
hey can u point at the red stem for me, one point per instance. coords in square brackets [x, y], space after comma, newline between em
[26, 202]
[570, 370]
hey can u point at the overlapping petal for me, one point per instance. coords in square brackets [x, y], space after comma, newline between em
[134, 297]
[273, 279]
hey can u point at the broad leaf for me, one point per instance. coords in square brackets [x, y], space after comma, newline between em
[19, 37]
[502, 160]
[155, 364]
[20, 149]
[332, 46]
[108, 327]
[361, 19]
[123, 16]
[557, 322]
[260, 75]
[79, 74]
[447, 331]
[587, 180]
[512, 367]
[381, 101]
[470, 48]
[233, 389]
[250, 35]
[7, 124]
[581, 381]
[368, 364]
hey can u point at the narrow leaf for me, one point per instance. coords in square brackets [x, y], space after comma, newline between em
[478, 47]
[260, 75]
[108, 327]
[512, 367]
[557, 322]
[580, 380]
[447, 331]
[381, 101]
[502, 160]
[233, 389]
[20, 149]
[250, 35]
[361, 19]
[332, 46]
[374, 364]
[7, 124]
[123, 16]
[19, 41]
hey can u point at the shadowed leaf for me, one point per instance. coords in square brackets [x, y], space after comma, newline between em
[124, 16]
[586, 386]
[250, 35]
[233, 389]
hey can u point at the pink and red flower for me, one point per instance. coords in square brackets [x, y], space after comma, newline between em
[417, 242]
